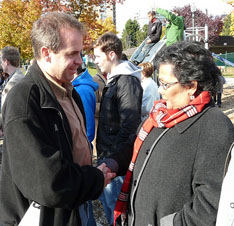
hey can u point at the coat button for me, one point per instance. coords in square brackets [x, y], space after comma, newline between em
[135, 182]
[232, 204]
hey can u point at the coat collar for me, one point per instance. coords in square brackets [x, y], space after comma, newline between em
[47, 97]
[184, 125]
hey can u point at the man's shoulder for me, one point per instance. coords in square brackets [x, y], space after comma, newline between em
[17, 75]
[22, 87]
[157, 22]
[129, 81]
[127, 77]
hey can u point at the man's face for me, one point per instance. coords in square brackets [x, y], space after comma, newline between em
[150, 17]
[102, 60]
[64, 63]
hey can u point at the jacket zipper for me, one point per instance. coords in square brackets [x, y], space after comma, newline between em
[59, 142]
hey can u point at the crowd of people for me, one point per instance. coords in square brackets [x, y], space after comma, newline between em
[162, 147]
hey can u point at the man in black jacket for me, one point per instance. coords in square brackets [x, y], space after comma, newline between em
[154, 34]
[47, 156]
[120, 109]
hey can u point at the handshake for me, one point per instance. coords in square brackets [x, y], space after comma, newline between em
[108, 175]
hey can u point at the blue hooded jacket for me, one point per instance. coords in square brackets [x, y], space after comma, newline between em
[86, 88]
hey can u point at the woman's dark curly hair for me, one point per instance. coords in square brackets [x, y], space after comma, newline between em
[191, 62]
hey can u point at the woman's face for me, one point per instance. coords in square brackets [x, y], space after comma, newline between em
[172, 91]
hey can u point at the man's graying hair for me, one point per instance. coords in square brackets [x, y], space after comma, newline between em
[46, 31]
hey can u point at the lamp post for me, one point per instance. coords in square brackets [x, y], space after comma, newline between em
[193, 9]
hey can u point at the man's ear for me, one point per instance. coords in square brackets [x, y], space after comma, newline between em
[112, 55]
[45, 54]
[6, 61]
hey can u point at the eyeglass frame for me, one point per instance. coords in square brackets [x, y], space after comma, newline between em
[166, 85]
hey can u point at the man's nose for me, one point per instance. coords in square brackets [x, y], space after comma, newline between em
[78, 59]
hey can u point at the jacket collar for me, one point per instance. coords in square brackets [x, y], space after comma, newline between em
[47, 97]
[154, 20]
[184, 125]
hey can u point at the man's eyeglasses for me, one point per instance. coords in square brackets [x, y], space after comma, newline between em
[166, 85]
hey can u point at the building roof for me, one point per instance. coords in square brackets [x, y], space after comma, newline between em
[224, 41]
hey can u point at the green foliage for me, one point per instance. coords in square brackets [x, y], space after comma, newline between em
[129, 38]
[226, 25]
[141, 34]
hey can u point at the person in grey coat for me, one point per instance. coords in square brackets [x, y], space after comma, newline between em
[176, 171]
[218, 94]
[10, 64]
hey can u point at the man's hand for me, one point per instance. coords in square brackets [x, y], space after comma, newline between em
[108, 175]
[148, 41]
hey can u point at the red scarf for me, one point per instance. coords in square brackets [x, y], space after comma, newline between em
[159, 117]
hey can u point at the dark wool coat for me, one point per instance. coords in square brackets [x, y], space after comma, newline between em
[37, 159]
[177, 181]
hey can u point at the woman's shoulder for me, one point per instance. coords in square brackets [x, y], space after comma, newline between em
[215, 118]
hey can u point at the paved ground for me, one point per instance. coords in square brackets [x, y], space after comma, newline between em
[228, 100]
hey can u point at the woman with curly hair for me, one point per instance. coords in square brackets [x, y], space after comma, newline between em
[176, 170]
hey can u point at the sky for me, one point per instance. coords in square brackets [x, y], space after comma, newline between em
[139, 8]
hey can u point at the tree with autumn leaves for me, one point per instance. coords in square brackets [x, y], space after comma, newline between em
[17, 17]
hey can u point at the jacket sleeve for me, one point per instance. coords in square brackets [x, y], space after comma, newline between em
[212, 150]
[129, 100]
[147, 103]
[129, 105]
[169, 16]
[34, 160]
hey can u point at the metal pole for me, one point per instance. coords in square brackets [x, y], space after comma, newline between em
[193, 21]
[206, 36]
[193, 9]
[225, 62]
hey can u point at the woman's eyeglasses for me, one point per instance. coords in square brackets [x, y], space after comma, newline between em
[165, 85]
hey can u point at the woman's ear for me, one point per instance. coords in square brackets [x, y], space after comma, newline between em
[193, 87]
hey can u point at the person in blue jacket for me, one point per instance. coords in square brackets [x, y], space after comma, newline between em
[86, 88]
